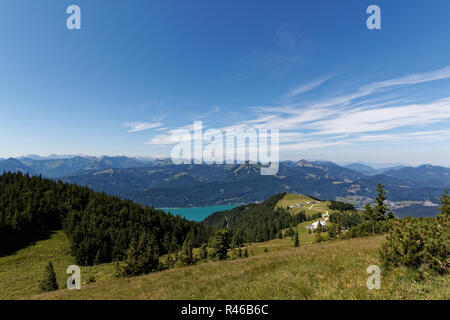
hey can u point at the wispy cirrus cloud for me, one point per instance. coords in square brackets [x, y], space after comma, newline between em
[342, 115]
[305, 87]
[141, 126]
[382, 119]
[375, 112]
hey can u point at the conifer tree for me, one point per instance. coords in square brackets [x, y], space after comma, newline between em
[377, 213]
[186, 257]
[236, 240]
[98, 257]
[49, 283]
[381, 209]
[142, 256]
[219, 244]
[296, 243]
[445, 208]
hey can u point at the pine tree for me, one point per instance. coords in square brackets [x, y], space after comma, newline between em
[377, 213]
[49, 281]
[186, 257]
[219, 244]
[98, 257]
[236, 240]
[381, 208]
[445, 208]
[133, 263]
[142, 256]
[296, 243]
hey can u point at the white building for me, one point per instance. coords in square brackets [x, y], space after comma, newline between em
[314, 225]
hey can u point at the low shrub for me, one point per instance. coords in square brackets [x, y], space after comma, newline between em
[421, 244]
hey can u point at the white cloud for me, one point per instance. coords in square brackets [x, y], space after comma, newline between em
[305, 87]
[338, 115]
[161, 139]
[347, 119]
[381, 119]
[141, 126]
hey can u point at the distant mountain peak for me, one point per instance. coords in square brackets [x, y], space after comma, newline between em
[304, 163]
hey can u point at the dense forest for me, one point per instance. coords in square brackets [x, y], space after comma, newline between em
[101, 228]
[255, 222]
[341, 206]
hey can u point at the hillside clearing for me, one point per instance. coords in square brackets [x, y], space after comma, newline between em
[21, 272]
[331, 270]
[307, 204]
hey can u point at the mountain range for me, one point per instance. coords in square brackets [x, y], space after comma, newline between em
[160, 183]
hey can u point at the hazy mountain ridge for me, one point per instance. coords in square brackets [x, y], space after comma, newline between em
[59, 166]
[425, 173]
[14, 165]
[160, 183]
[369, 170]
[203, 185]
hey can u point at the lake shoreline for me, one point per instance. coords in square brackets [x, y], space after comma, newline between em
[198, 213]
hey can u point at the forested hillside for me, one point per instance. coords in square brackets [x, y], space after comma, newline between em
[162, 184]
[100, 227]
[206, 185]
[255, 222]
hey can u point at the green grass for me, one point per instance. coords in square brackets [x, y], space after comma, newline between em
[21, 272]
[314, 206]
[330, 270]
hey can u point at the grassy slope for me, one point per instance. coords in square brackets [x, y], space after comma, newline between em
[20, 272]
[292, 199]
[331, 270]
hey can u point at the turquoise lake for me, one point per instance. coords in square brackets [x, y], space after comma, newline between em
[198, 213]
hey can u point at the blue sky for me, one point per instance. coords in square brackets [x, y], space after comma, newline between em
[137, 70]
